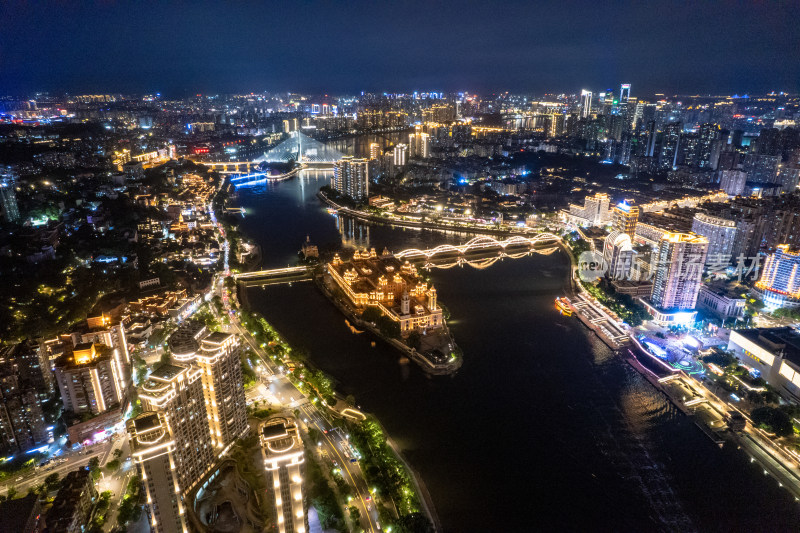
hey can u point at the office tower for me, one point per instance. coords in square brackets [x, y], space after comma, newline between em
[586, 103]
[8, 197]
[351, 177]
[154, 450]
[779, 284]
[679, 271]
[400, 155]
[284, 461]
[624, 93]
[624, 217]
[89, 379]
[670, 145]
[732, 181]
[618, 255]
[720, 232]
[374, 151]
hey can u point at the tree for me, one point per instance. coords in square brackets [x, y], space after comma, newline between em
[774, 420]
[112, 465]
[414, 523]
[355, 514]
[118, 453]
[51, 482]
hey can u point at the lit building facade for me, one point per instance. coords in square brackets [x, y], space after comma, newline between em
[779, 285]
[593, 212]
[393, 287]
[284, 462]
[720, 232]
[624, 217]
[618, 256]
[678, 276]
[586, 103]
[351, 177]
[400, 153]
[774, 353]
[154, 450]
[88, 379]
[223, 390]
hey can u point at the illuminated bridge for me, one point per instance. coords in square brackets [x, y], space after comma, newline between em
[478, 244]
[479, 252]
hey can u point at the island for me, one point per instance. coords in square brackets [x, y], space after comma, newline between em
[391, 299]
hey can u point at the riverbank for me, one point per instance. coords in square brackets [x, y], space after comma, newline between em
[377, 219]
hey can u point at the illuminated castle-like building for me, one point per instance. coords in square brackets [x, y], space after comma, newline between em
[395, 288]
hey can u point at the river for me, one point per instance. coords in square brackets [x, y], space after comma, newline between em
[542, 428]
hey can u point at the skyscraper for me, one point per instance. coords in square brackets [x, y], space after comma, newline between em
[670, 145]
[624, 218]
[624, 93]
[374, 150]
[177, 392]
[721, 234]
[351, 177]
[88, 379]
[780, 280]
[154, 450]
[400, 155]
[218, 357]
[678, 276]
[284, 461]
[586, 103]
[419, 145]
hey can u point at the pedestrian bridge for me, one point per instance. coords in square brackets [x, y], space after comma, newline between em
[478, 244]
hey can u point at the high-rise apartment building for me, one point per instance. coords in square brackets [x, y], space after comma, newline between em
[351, 177]
[720, 232]
[779, 284]
[419, 145]
[374, 150]
[678, 275]
[732, 181]
[284, 461]
[154, 450]
[624, 217]
[221, 371]
[89, 379]
[400, 155]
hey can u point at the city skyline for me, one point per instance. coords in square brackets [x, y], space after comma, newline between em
[716, 48]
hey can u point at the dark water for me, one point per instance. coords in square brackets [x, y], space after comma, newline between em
[542, 428]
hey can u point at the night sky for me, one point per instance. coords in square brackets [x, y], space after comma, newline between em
[344, 47]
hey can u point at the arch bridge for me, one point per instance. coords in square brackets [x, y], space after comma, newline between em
[478, 244]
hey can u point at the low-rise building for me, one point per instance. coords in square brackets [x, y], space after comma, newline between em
[721, 299]
[774, 353]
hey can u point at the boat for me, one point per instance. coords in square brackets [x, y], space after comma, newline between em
[562, 304]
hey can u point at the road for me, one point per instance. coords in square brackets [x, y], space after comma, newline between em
[287, 395]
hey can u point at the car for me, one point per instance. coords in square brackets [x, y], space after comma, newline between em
[19, 478]
[353, 460]
[369, 498]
